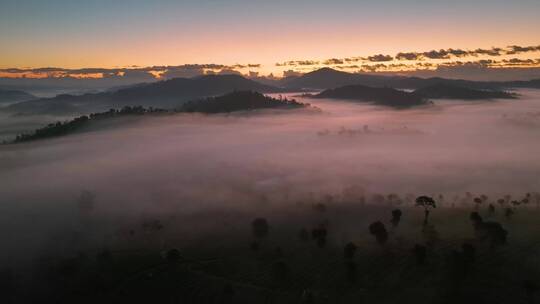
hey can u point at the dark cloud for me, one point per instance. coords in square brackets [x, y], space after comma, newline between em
[307, 62]
[398, 65]
[408, 56]
[516, 49]
[440, 54]
[183, 72]
[228, 72]
[352, 59]
[298, 62]
[333, 61]
[448, 53]
[373, 67]
[517, 61]
[243, 66]
[380, 58]
[489, 52]
[291, 73]
[135, 72]
[458, 52]
[353, 66]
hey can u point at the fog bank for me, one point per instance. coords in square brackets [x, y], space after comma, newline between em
[188, 163]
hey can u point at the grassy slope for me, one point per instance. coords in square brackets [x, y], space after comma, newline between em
[217, 254]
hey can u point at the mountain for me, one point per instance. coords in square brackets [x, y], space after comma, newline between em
[61, 128]
[379, 96]
[231, 102]
[455, 92]
[163, 94]
[51, 86]
[327, 78]
[11, 96]
[239, 101]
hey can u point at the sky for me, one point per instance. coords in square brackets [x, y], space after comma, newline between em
[122, 33]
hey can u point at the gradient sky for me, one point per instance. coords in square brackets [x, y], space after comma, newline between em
[99, 33]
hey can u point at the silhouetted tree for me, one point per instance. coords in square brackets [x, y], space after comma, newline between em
[173, 255]
[379, 231]
[396, 217]
[527, 199]
[426, 202]
[489, 231]
[62, 128]
[475, 218]
[477, 202]
[239, 101]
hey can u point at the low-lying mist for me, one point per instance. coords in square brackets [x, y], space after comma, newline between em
[186, 164]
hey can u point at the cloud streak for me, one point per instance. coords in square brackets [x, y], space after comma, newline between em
[406, 61]
[186, 70]
[441, 54]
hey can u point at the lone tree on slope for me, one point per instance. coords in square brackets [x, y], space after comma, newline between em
[427, 203]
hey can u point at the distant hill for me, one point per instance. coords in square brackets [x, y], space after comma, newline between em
[63, 128]
[163, 94]
[454, 92]
[327, 78]
[231, 102]
[379, 96]
[11, 96]
[239, 101]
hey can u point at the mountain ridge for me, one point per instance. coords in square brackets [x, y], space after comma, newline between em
[11, 96]
[163, 94]
[327, 78]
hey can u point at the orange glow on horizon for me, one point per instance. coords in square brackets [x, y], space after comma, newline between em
[373, 63]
